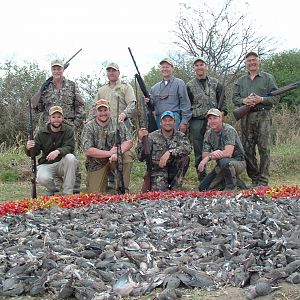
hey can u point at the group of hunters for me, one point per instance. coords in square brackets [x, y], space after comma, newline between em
[188, 116]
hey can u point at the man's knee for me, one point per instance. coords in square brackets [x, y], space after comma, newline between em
[223, 163]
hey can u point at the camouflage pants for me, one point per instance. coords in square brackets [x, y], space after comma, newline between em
[170, 177]
[256, 132]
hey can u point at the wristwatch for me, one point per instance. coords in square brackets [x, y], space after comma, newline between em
[209, 157]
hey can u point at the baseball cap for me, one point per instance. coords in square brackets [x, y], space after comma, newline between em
[55, 109]
[215, 112]
[57, 62]
[199, 58]
[113, 66]
[102, 102]
[168, 61]
[251, 53]
[167, 113]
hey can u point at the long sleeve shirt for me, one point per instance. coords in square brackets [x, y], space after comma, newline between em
[171, 95]
[262, 84]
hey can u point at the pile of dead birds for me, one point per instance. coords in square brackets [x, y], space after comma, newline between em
[130, 249]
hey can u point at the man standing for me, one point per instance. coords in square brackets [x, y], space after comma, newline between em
[205, 92]
[64, 93]
[170, 151]
[222, 144]
[122, 105]
[254, 90]
[56, 142]
[170, 94]
[99, 142]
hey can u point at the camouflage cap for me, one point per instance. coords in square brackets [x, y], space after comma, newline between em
[55, 109]
[167, 113]
[102, 102]
[113, 66]
[168, 61]
[200, 58]
[251, 53]
[57, 62]
[214, 112]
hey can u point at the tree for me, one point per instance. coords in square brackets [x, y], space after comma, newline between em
[220, 35]
[285, 67]
[17, 85]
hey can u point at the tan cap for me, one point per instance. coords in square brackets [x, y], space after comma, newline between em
[57, 62]
[251, 53]
[215, 112]
[102, 102]
[113, 66]
[168, 61]
[199, 58]
[55, 109]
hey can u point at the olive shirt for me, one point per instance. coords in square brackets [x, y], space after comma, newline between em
[47, 141]
[204, 95]
[261, 85]
[177, 143]
[68, 97]
[171, 95]
[218, 140]
[122, 92]
[103, 138]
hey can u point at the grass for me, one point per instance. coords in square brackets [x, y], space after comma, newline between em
[15, 174]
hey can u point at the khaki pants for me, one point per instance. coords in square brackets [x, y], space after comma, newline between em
[236, 167]
[65, 169]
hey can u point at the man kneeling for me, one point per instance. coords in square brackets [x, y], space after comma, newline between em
[222, 144]
[169, 153]
[56, 142]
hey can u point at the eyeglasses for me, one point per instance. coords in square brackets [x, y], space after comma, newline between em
[162, 89]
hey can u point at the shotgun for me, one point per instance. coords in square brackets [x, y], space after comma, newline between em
[243, 110]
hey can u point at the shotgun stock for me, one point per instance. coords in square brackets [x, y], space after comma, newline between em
[243, 110]
[37, 96]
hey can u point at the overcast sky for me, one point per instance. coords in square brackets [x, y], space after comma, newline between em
[37, 31]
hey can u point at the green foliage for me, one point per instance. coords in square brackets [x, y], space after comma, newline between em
[17, 85]
[285, 67]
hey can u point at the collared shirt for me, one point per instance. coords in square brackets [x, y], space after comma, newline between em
[172, 96]
[68, 97]
[103, 138]
[262, 84]
[218, 140]
[122, 92]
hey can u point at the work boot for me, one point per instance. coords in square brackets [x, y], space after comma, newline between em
[241, 184]
[230, 181]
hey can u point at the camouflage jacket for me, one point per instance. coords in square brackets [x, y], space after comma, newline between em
[178, 143]
[218, 140]
[103, 138]
[68, 97]
[206, 96]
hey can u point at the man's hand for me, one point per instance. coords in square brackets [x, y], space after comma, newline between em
[114, 157]
[146, 100]
[113, 151]
[218, 154]
[164, 159]
[122, 117]
[52, 155]
[141, 133]
[183, 127]
[252, 100]
[30, 144]
[202, 163]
